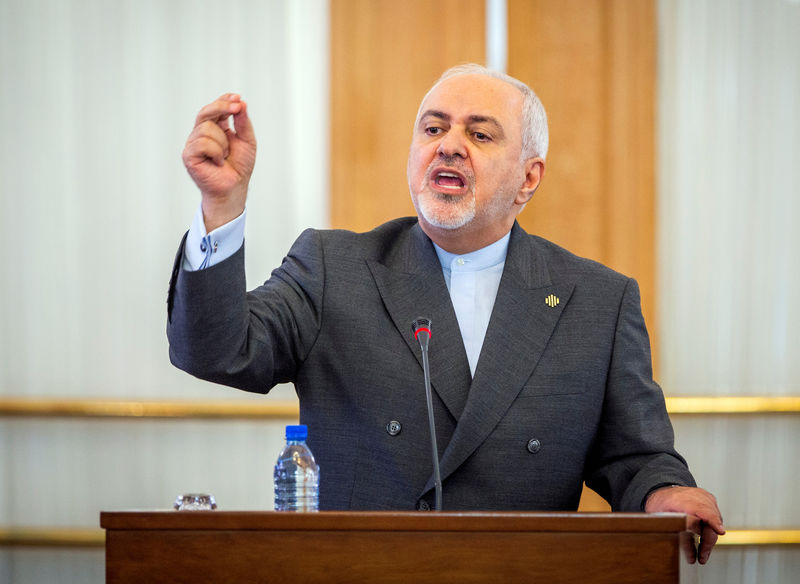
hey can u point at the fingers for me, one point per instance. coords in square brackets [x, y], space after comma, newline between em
[707, 540]
[212, 135]
[243, 125]
[220, 158]
[694, 524]
[220, 109]
[202, 149]
[707, 510]
[703, 514]
[712, 519]
[207, 141]
[689, 547]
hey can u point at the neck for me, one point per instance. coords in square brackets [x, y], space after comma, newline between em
[463, 240]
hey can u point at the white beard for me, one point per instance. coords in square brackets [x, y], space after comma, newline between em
[446, 211]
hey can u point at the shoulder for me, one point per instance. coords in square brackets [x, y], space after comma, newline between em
[350, 244]
[566, 262]
[561, 262]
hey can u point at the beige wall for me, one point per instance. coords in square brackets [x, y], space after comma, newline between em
[384, 56]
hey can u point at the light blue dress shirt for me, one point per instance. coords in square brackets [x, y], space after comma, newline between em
[203, 250]
[472, 278]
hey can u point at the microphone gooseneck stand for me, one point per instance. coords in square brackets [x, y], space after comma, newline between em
[422, 332]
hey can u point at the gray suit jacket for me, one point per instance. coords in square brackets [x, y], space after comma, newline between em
[561, 393]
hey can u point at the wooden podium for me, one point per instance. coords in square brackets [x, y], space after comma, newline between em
[402, 547]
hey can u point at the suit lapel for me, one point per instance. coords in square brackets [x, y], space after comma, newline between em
[519, 330]
[411, 285]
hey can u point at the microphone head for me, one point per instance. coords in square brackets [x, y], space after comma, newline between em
[421, 327]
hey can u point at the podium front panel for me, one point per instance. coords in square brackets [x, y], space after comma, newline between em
[392, 547]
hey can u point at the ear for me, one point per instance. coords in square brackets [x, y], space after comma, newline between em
[534, 171]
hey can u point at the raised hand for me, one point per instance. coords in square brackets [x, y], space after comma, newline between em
[220, 159]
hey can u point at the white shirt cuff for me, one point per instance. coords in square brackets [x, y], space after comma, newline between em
[203, 250]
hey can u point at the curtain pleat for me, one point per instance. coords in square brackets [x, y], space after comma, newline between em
[96, 101]
[729, 275]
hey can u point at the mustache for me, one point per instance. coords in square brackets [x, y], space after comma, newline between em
[453, 161]
[449, 160]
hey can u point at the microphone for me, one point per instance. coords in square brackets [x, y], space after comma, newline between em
[421, 328]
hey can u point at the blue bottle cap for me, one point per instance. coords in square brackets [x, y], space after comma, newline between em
[299, 432]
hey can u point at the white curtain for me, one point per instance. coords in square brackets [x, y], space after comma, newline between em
[96, 101]
[729, 274]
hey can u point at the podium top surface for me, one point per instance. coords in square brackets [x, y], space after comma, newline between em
[395, 521]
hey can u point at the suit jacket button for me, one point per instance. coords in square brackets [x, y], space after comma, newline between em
[393, 428]
[423, 505]
[534, 446]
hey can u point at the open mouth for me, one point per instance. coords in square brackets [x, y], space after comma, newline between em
[449, 181]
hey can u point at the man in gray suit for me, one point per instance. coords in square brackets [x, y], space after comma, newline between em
[540, 360]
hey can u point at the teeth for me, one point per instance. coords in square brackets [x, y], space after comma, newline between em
[443, 175]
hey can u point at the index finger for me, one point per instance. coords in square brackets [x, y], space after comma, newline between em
[711, 517]
[219, 109]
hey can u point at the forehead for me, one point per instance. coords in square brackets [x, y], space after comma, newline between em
[471, 95]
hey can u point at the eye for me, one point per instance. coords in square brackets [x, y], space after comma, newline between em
[433, 131]
[481, 137]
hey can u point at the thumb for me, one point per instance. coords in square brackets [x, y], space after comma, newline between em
[243, 125]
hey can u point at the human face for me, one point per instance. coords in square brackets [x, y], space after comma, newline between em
[465, 172]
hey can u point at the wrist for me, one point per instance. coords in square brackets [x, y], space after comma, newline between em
[652, 495]
[218, 211]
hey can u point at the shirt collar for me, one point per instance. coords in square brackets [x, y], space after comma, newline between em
[474, 261]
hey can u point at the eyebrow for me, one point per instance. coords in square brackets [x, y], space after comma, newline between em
[473, 119]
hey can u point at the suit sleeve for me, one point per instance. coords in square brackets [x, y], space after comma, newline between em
[634, 449]
[249, 340]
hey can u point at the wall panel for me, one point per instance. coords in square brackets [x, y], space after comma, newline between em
[384, 56]
[593, 66]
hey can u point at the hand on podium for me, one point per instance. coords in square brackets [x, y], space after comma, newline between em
[705, 518]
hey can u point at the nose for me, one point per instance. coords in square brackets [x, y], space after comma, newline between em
[452, 144]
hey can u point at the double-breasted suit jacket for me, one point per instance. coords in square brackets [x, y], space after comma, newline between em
[562, 393]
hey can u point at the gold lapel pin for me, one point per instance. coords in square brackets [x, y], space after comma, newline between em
[552, 301]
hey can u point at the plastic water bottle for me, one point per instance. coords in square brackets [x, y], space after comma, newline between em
[296, 474]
